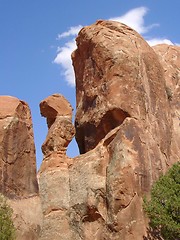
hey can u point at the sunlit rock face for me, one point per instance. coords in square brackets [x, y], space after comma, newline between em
[169, 57]
[125, 131]
[17, 150]
[120, 87]
[18, 180]
[54, 172]
[117, 76]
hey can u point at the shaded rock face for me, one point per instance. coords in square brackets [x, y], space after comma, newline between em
[17, 150]
[124, 123]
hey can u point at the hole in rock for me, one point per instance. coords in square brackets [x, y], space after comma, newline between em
[72, 149]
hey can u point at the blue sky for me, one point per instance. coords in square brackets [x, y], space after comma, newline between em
[37, 37]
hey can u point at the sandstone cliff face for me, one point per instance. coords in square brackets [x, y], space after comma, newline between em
[18, 179]
[17, 155]
[120, 83]
[169, 57]
[27, 217]
[126, 128]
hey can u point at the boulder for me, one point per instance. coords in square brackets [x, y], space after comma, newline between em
[53, 106]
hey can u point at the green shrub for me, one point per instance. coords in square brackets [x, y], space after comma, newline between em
[163, 209]
[7, 229]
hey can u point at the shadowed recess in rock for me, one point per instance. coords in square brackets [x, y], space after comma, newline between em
[89, 135]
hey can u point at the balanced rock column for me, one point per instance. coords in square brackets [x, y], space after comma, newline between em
[17, 150]
[54, 172]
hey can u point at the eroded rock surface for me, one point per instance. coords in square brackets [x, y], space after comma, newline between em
[17, 150]
[125, 122]
[120, 83]
[18, 180]
[27, 217]
[54, 173]
[169, 57]
[117, 76]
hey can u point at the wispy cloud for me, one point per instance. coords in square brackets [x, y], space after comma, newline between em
[155, 41]
[71, 32]
[134, 18]
[63, 58]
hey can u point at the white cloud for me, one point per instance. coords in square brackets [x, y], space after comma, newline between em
[71, 32]
[63, 58]
[135, 19]
[155, 41]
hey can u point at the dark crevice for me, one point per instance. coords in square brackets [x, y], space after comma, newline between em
[89, 135]
[92, 214]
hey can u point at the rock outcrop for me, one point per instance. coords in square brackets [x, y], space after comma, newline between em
[127, 129]
[124, 128]
[17, 154]
[18, 180]
[169, 57]
[120, 86]
[27, 217]
[54, 173]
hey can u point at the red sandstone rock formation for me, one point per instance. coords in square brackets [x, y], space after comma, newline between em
[18, 179]
[169, 57]
[120, 85]
[127, 131]
[27, 217]
[17, 155]
[54, 173]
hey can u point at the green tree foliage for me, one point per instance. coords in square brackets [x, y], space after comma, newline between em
[163, 209]
[7, 229]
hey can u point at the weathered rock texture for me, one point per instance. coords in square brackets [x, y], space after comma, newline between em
[125, 121]
[169, 57]
[27, 217]
[17, 151]
[127, 129]
[120, 85]
[18, 180]
[54, 173]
